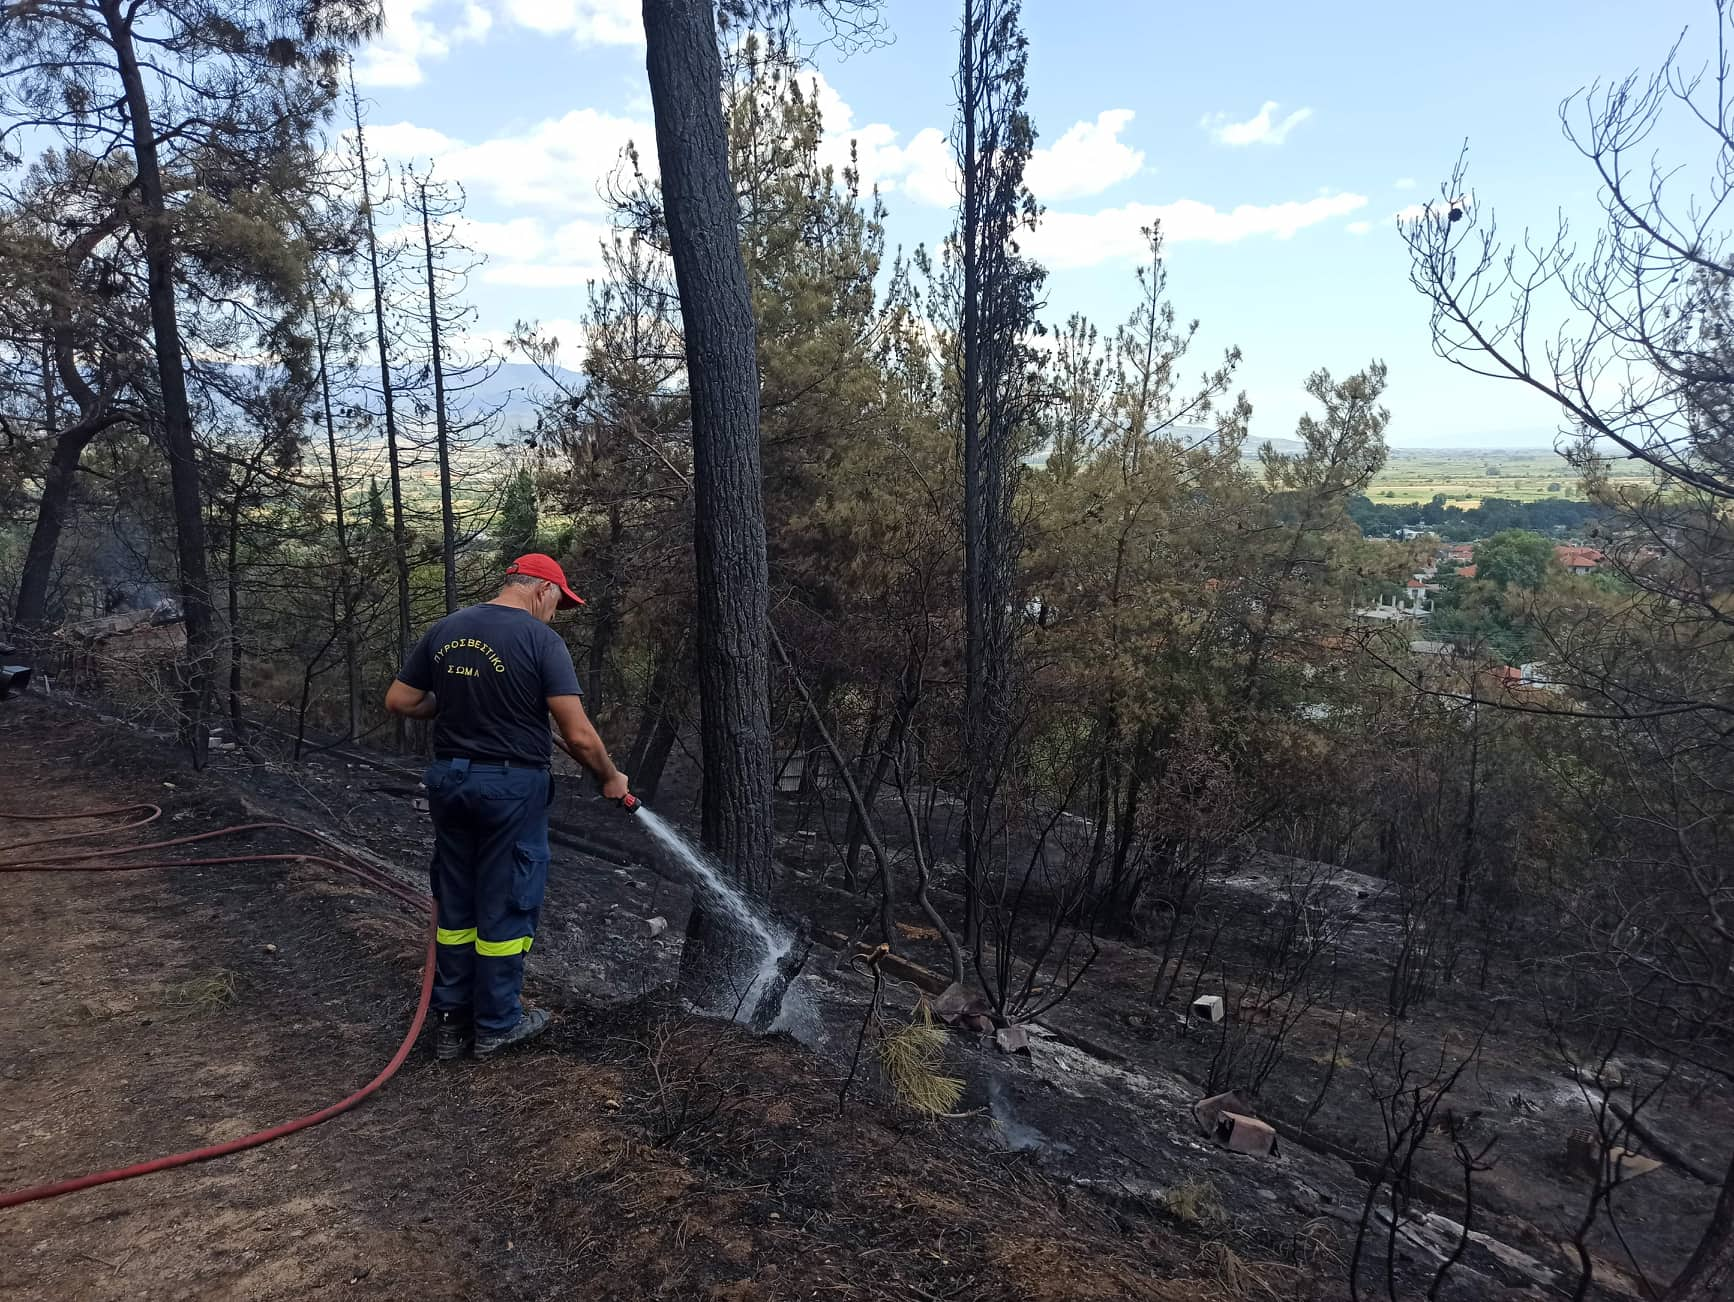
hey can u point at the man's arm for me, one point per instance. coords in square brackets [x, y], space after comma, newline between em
[410, 702]
[410, 694]
[577, 737]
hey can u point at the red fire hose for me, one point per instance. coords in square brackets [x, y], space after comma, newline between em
[104, 860]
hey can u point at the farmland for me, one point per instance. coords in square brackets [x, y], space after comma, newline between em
[1465, 476]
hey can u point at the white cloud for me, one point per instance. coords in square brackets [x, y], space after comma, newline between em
[520, 237]
[525, 253]
[1403, 183]
[1089, 158]
[591, 22]
[1438, 208]
[922, 168]
[1358, 228]
[405, 142]
[932, 177]
[557, 164]
[416, 30]
[419, 31]
[539, 275]
[1261, 128]
[1066, 240]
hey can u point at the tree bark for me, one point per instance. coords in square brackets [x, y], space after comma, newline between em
[1709, 1275]
[607, 615]
[399, 534]
[974, 673]
[232, 583]
[177, 417]
[96, 414]
[31, 611]
[657, 727]
[345, 561]
[442, 437]
[685, 73]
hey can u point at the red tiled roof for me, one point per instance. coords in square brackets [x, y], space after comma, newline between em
[1573, 557]
[1466, 571]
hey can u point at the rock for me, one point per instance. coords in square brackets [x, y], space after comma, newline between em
[1243, 1134]
[270, 949]
[980, 1023]
[657, 926]
[954, 1003]
[1012, 1039]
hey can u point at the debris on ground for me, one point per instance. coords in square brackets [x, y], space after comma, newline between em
[1207, 1111]
[1012, 1039]
[1243, 1134]
[1209, 1008]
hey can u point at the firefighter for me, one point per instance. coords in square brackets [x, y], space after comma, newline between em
[490, 676]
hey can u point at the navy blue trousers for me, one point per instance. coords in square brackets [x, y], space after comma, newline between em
[489, 872]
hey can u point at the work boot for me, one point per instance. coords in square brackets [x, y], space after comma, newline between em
[531, 1023]
[452, 1034]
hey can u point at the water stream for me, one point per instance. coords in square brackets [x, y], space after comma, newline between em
[771, 941]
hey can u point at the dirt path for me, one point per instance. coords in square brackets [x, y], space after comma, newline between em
[635, 1155]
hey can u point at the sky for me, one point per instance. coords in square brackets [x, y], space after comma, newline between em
[1276, 142]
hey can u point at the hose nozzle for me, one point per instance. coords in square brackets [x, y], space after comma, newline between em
[630, 803]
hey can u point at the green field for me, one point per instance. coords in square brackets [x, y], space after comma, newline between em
[1465, 477]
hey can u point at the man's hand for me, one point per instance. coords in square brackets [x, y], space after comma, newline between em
[615, 788]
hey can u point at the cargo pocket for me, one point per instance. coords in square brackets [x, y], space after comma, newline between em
[529, 876]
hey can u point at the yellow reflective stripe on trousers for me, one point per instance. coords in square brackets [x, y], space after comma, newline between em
[456, 936]
[503, 948]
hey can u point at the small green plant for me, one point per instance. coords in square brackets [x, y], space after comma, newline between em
[1196, 1202]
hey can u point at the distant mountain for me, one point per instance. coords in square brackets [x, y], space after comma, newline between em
[1287, 447]
[514, 387]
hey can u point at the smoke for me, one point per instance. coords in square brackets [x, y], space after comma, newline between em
[118, 558]
[1012, 1133]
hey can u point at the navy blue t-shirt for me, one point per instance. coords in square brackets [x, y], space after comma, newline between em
[493, 668]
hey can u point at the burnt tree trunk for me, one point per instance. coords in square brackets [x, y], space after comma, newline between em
[95, 415]
[31, 610]
[607, 615]
[1466, 861]
[399, 534]
[232, 585]
[345, 560]
[1709, 1275]
[658, 725]
[442, 431]
[685, 73]
[975, 740]
[176, 413]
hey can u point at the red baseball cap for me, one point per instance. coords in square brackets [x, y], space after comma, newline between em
[539, 565]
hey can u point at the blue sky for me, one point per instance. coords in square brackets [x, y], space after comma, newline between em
[1276, 141]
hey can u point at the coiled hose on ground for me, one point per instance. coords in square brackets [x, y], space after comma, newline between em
[125, 859]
